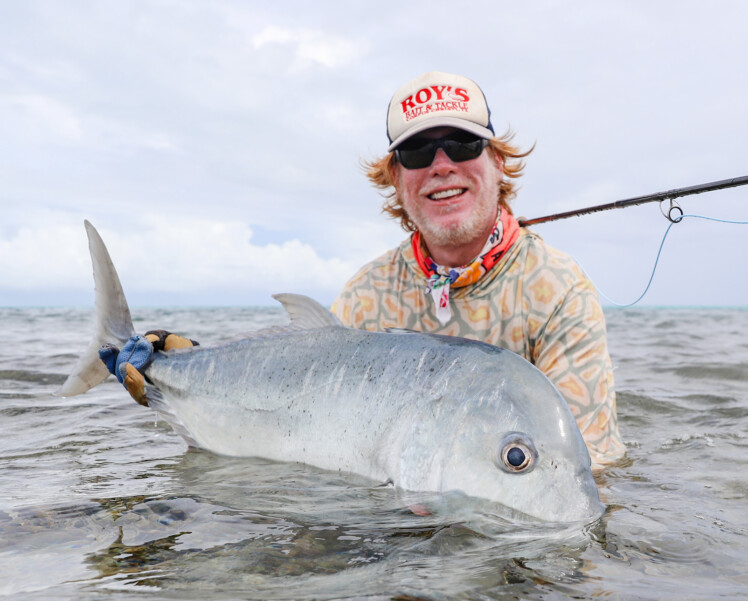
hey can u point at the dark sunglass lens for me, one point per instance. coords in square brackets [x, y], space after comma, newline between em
[416, 154]
[463, 151]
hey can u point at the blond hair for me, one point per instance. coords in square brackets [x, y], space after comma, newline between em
[381, 173]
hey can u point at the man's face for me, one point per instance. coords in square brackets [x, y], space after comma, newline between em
[452, 204]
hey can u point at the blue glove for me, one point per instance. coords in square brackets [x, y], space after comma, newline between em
[137, 352]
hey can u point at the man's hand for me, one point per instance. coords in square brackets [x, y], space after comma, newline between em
[166, 341]
[134, 381]
[129, 364]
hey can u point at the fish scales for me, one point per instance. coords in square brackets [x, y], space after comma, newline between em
[294, 412]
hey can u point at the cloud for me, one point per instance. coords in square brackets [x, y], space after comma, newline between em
[314, 46]
[185, 257]
[42, 116]
[234, 130]
[35, 118]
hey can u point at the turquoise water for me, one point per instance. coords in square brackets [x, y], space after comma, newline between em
[99, 499]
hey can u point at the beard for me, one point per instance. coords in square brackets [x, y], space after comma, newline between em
[478, 223]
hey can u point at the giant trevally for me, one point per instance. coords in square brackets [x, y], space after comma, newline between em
[424, 412]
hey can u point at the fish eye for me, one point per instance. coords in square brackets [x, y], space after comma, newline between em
[517, 454]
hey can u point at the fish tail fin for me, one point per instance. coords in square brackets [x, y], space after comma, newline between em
[112, 319]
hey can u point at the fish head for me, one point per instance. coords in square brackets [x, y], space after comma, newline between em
[513, 440]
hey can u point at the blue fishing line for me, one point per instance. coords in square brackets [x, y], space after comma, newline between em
[657, 259]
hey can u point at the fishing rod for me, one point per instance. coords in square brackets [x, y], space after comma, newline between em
[638, 200]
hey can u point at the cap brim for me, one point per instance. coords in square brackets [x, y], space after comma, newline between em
[473, 128]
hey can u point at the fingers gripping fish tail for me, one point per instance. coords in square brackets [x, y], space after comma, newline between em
[135, 384]
[129, 364]
[113, 321]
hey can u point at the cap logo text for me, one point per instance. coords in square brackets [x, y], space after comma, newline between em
[433, 99]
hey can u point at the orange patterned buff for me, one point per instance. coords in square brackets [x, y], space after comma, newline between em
[441, 278]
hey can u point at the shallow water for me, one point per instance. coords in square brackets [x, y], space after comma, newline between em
[101, 500]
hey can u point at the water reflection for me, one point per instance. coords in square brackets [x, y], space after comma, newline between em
[289, 531]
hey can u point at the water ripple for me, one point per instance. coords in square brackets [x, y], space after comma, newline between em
[144, 516]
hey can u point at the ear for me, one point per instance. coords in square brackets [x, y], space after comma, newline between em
[498, 162]
[394, 168]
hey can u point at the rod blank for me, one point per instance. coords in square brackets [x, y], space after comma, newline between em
[638, 200]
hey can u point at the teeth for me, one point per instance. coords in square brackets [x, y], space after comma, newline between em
[446, 193]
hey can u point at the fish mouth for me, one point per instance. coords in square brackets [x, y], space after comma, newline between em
[447, 194]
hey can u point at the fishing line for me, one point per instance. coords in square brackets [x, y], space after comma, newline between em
[673, 221]
[674, 215]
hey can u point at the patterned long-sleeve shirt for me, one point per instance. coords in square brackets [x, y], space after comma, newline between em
[535, 301]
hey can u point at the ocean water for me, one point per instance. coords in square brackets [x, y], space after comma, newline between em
[99, 499]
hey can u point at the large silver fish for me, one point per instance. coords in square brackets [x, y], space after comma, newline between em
[424, 412]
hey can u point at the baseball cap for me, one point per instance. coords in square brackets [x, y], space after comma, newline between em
[437, 99]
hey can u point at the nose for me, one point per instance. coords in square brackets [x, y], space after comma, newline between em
[442, 164]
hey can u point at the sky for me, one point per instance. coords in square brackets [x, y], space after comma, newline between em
[217, 144]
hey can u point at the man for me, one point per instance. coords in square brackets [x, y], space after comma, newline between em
[468, 269]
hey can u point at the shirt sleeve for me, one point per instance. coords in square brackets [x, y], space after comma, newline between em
[369, 300]
[343, 305]
[357, 300]
[572, 350]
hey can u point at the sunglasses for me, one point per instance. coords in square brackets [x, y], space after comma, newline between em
[418, 153]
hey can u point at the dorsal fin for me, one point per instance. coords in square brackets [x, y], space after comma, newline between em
[306, 312]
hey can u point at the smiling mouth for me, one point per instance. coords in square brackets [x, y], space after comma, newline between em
[444, 194]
